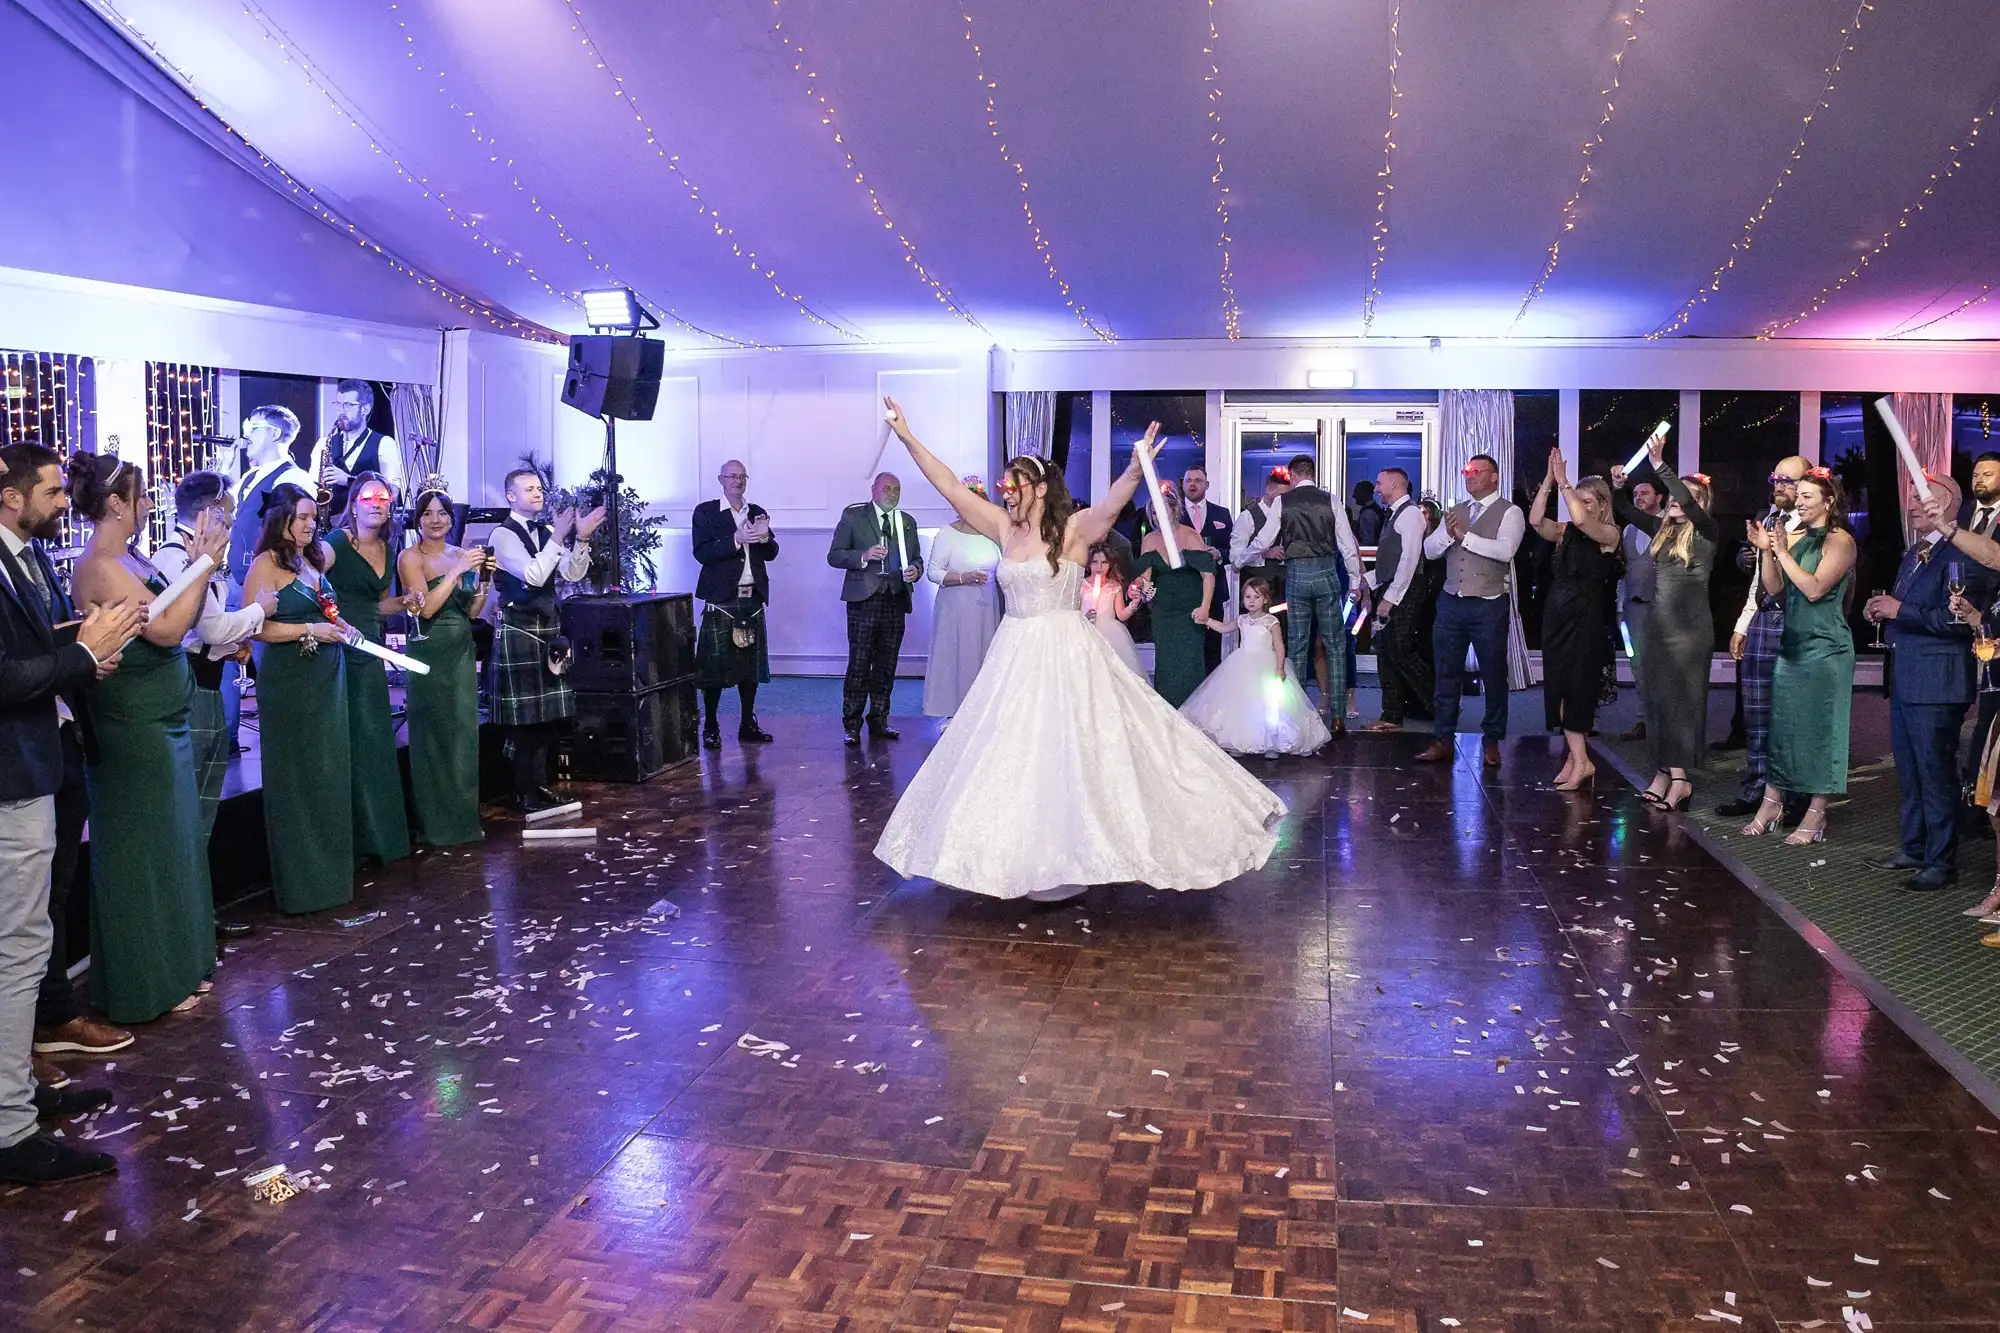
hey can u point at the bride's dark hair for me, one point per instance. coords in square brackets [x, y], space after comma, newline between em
[1027, 472]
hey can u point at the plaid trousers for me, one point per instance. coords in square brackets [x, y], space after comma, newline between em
[1313, 595]
[1760, 660]
[874, 641]
[208, 737]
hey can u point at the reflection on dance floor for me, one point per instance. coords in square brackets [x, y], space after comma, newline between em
[1466, 1054]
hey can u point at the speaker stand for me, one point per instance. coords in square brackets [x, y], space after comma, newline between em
[615, 584]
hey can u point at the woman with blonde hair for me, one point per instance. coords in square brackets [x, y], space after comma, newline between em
[1679, 637]
[1576, 634]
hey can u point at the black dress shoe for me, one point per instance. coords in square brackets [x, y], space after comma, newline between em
[41, 1160]
[711, 739]
[1894, 861]
[752, 734]
[69, 1100]
[1930, 880]
[537, 801]
[1738, 808]
[235, 930]
[884, 732]
[853, 735]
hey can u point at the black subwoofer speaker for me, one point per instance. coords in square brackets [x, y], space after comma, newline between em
[632, 737]
[614, 376]
[628, 643]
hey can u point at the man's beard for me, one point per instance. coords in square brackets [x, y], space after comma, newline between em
[48, 529]
[1787, 503]
[1986, 496]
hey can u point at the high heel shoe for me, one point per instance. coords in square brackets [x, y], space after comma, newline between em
[1986, 906]
[1581, 783]
[1766, 824]
[1803, 836]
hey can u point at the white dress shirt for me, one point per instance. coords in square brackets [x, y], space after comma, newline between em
[1248, 540]
[217, 630]
[891, 521]
[572, 557]
[746, 583]
[1501, 547]
[1407, 519]
[388, 457]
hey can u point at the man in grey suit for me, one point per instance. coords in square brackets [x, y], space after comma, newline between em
[876, 543]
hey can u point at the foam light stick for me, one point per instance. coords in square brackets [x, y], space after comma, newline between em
[389, 655]
[194, 576]
[1159, 506]
[1646, 445]
[1918, 482]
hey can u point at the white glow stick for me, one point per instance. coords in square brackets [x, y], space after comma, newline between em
[1646, 445]
[1918, 482]
[194, 576]
[556, 834]
[1159, 504]
[389, 655]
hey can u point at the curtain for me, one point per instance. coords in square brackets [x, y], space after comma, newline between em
[1031, 423]
[415, 408]
[1926, 419]
[1481, 421]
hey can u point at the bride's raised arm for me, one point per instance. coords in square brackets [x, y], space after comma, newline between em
[1094, 522]
[989, 518]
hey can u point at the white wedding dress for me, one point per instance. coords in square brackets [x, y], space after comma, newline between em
[1064, 768]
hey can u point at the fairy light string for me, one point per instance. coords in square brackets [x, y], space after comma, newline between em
[703, 208]
[1567, 222]
[1232, 313]
[1955, 155]
[1385, 191]
[945, 296]
[988, 87]
[1741, 245]
[500, 157]
[1978, 298]
[306, 197]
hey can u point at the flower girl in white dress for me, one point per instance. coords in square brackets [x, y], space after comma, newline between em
[1250, 704]
[1109, 601]
[1063, 768]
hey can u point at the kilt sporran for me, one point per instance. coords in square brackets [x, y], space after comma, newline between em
[731, 649]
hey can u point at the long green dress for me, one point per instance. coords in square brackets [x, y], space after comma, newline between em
[1178, 664]
[444, 724]
[381, 819]
[1812, 686]
[152, 919]
[302, 720]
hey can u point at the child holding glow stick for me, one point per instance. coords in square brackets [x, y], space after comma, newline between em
[1251, 704]
[1109, 600]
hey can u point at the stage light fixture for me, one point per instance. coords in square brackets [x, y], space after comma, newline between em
[615, 308]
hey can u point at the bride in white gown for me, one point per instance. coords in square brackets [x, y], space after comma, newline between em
[1063, 768]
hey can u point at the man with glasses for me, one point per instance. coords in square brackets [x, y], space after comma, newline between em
[732, 543]
[1754, 645]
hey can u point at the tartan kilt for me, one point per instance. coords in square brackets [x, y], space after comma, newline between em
[718, 662]
[524, 690]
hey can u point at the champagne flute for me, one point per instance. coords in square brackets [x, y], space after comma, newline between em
[1879, 592]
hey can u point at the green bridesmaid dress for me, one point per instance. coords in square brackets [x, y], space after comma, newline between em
[152, 919]
[302, 720]
[1179, 666]
[1812, 685]
[444, 724]
[381, 819]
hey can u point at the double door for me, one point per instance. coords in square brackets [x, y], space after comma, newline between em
[1349, 443]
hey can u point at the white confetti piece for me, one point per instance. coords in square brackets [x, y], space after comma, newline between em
[1872, 1263]
[1474, 1189]
[1154, 1129]
[933, 1120]
[1606, 1262]
[1937, 1193]
[1743, 1208]
[1349, 1312]
[1115, 1305]
[861, 1235]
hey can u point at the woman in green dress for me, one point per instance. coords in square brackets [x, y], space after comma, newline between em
[302, 710]
[1812, 687]
[1180, 599]
[152, 919]
[444, 706]
[362, 576]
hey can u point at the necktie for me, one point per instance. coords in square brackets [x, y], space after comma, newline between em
[1982, 521]
[31, 561]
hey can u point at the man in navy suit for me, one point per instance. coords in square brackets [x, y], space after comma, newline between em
[44, 672]
[1930, 684]
[1212, 521]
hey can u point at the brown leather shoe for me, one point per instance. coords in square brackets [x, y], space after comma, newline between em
[1437, 752]
[84, 1036]
[47, 1072]
[1490, 754]
[1381, 724]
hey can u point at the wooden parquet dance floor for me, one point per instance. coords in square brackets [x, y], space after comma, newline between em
[1468, 1054]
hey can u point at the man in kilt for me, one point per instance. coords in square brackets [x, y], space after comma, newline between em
[531, 699]
[732, 542]
[876, 543]
[1754, 645]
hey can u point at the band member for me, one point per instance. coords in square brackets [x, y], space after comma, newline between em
[733, 542]
[269, 433]
[351, 448]
[531, 695]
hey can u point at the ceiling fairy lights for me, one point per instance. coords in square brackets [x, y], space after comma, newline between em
[988, 86]
[1232, 313]
[305, 196]
[1385, 190]
[1979, 298]
[499, 157]
[1741, 245]
[1567, 222]
[1955, 156]
[702, 207]
[944, 294]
